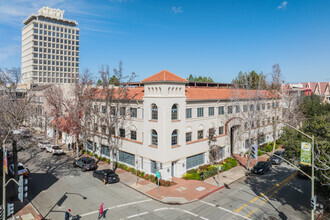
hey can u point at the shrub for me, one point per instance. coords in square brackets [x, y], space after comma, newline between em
[192, 176]
[203, 167]
[167, 183]
[83, 151]
[138, 172]
[162, 182]
[279, 142]
[192, 171]
[108, 160]
[146, 176]
[142, 174]
[90, 153]
[152, 178]
[225, 166]
[232, 162]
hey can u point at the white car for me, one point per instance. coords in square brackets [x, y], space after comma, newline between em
[43, 145]
[54, 149]
[21, 170]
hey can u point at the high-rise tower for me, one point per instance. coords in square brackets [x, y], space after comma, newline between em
[50, 48]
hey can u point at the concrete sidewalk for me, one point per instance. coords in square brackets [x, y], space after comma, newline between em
[184, 191]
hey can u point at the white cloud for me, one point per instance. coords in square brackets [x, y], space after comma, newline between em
[177, 10]
[283, 5]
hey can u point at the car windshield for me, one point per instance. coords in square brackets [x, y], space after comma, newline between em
[20, 167]
[261, 164]
[56, 147]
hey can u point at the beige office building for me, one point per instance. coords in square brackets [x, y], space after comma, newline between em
[50, 48]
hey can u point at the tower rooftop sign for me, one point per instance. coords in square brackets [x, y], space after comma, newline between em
[51, 12]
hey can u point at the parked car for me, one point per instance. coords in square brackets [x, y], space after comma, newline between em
[307, 170]
[21, 170]
[276, 160]
[262, 167]
[54, 149]
[44, 144]
[112, 177]
[85, 163]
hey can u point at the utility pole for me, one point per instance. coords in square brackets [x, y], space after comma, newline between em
[313, 176]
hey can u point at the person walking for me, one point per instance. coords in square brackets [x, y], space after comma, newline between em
[105, 178]
[69, 145]
[67, 215]
[116, 165]
[201, 175]
[101, 212]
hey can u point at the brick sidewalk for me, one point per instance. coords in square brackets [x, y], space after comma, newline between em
[27, 213]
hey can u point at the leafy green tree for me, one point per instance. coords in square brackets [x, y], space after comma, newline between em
[114, 80]
[99, 82]
[251, 80]
[192, 78]
[317, 123]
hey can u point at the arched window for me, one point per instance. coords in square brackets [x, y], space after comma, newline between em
[154, 112]
[175, 112]
[154, 138]
[174, 140]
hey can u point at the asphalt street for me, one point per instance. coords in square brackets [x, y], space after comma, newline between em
[55, 185]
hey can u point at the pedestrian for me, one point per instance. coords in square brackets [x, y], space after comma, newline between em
[69, 145]
[105, 178]
[201, 175]
[116, 165]
[101, 212]
[67, 214]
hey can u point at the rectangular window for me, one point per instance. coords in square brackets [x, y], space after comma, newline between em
[277, 104]
[258, 107]
[268, 105]
[200, 112]
[154, 166]
[104, 109]
[188, 136]
[133, 112]
[273, 104]
[122, 110]
[127, 158]
[96, 109]
[195, 161]
[113, 110]
[245, 108]
[133, 135]
[104, 129]
[220, 130]
[188, 113]
[230, 109]
[211, 111]
[200, 134]
[122, 132]
[251, 107]
[112, 131]
[238, 109]
[221, 110]
[263, 106]
[96, 128]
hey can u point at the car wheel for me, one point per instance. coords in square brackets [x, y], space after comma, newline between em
[74, 165]
[83, 169]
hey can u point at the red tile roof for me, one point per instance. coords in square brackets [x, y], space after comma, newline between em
[135, 93]
[225, 93]
[164, 76]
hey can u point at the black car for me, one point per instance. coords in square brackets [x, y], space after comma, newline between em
[307, 170]
[112, 177]
[262, 167]
[85, 163]
[277, 160]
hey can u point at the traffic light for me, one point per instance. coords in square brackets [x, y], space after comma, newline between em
[313, 202]
[254, 151]
[22, 188]
[1, 212]
[10, 208]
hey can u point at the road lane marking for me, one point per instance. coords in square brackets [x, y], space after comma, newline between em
[117, 206]
[271, 195]
[225, 210]
[188, 212]
[264, 193]
[137, 215]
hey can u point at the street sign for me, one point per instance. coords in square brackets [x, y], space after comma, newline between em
[305, 154]
[158, 174]
[5, 161]
[219, 167]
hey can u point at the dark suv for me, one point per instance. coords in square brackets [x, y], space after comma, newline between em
[276, 160]
[85, 163]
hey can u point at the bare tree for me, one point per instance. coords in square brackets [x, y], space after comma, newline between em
[254, 111]
[77, 106]
[55, 101]
[214, 149]
[114, 96]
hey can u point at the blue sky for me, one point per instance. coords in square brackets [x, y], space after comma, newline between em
[216, 38]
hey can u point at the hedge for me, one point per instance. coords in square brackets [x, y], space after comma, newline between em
[210, 170]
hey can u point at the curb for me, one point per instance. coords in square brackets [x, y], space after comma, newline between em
[175, 203]
[206, 194]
